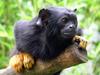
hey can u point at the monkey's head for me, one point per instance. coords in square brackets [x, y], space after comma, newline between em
[58, 21]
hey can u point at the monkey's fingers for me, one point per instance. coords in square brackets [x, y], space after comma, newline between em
[28, 61]
[83, 44]
[81, 41]
[17, 62]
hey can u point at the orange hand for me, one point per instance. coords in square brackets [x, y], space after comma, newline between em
[21, 61]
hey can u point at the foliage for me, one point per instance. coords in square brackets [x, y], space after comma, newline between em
[88, 13]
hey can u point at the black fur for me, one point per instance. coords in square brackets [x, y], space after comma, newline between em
[47, 35]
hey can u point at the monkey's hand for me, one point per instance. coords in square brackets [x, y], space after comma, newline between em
[21, 61]
[81, 42]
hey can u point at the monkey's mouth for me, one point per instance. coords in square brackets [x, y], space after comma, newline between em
[68, 35]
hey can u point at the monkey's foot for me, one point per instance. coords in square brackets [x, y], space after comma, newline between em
[81, 42]
[21, 61]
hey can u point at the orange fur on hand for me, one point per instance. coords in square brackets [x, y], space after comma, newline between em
[81, 41]
[21, 61]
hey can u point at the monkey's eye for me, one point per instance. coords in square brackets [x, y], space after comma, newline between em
[65, 20]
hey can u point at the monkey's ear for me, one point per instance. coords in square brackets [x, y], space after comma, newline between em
[43, 16]
[75, 10]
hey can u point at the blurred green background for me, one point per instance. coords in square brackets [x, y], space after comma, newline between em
[88, 13]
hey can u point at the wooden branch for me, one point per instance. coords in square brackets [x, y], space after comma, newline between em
[70, 57]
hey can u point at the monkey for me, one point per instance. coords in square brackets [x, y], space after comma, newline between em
[45, 37]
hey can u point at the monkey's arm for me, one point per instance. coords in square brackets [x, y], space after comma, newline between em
[79, 31]
[21, 60]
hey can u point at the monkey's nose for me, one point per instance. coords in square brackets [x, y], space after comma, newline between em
[71, 27]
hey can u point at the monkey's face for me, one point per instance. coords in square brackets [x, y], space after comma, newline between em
[58, 21]
[67, 23]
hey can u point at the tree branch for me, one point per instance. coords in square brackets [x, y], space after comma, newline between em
[70, 57]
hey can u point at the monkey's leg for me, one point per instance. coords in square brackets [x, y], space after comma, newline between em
[21, 61]
[81, 42]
